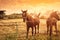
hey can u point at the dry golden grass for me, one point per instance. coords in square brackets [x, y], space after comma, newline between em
[17, 30]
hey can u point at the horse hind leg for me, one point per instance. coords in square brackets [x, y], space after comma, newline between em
[47, 29]
[35, 29]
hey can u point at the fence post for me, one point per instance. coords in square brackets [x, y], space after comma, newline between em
[16, 31]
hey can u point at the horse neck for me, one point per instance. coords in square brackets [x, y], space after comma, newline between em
[29, 18]
[55, 15]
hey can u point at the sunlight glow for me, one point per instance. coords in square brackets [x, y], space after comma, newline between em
[34, 7]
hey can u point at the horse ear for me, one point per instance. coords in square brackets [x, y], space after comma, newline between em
[22, 10]
[39, 14]
[26, 10]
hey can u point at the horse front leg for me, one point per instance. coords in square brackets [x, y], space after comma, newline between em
[35, 29]
[56, 28]
[32, 31]
[51, 30]
[38, 28]
[27, 31]
[23, 19]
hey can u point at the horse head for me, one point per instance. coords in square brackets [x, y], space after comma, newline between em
[24, 14]
[55, 15]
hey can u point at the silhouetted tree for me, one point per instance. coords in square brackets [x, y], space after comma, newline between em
[2, 14]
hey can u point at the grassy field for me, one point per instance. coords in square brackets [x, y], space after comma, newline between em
[15, 29]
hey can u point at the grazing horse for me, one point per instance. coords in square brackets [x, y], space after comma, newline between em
[52, 21]
[31, 22]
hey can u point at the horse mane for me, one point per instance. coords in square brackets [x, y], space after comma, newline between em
[55, 15]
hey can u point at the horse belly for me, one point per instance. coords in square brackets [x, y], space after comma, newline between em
[29, 24]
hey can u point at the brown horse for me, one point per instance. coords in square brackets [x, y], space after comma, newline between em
[52, 21]
[31, 21]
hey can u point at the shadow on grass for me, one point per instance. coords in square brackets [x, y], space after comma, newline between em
[41, 36]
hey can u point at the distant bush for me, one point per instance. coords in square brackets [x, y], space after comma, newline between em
[13, 16]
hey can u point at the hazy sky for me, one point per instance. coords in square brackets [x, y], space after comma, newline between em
[12, 6]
